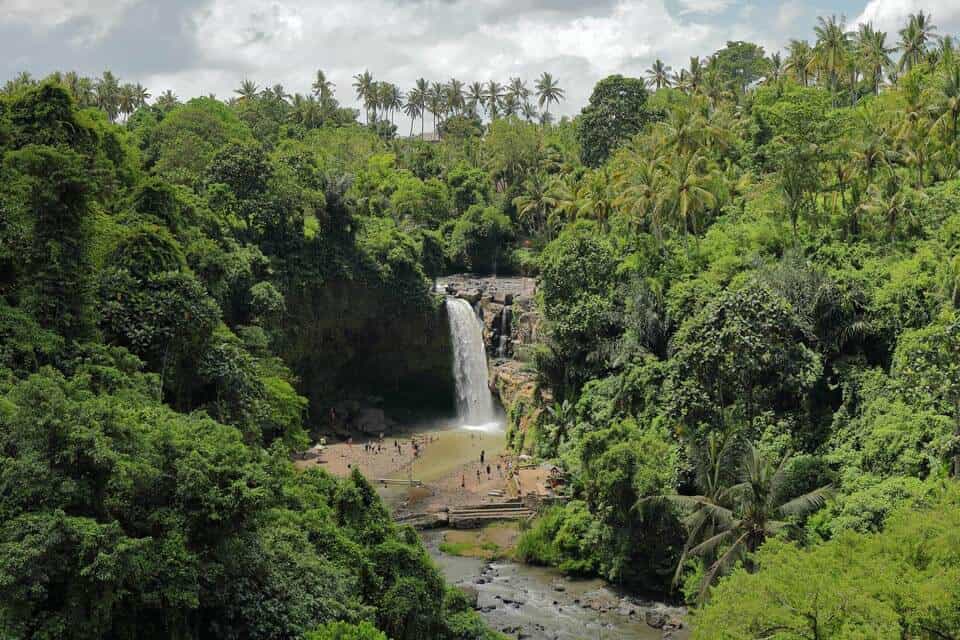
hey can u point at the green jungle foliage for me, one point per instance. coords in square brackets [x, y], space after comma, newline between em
[750, 361]
[749, 368]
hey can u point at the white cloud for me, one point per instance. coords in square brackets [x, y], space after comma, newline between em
[788, 13]
[98, 17]
[704, 6]
[890, 15]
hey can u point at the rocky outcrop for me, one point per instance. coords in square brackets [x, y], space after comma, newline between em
[510, 323]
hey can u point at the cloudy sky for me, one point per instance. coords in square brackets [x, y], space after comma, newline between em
[201, 46]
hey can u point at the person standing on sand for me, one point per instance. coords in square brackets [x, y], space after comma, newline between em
[463, 481]
[482, 454]
[488, 472]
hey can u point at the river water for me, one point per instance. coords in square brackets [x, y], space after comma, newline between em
[541, 604]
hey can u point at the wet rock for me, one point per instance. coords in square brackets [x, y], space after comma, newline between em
[559, 587]
[655, 619]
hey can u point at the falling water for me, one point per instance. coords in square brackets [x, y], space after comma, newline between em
[474, 401]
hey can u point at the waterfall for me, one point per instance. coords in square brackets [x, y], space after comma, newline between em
[474, 401]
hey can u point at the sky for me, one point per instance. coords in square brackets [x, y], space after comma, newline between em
[197, 47]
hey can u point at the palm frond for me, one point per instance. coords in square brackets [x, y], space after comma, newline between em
[808, 502]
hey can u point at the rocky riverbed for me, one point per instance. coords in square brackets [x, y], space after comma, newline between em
[539, 603]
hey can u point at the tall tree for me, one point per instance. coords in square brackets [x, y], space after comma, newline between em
[658, 75]
[915, 38]
[548, 91]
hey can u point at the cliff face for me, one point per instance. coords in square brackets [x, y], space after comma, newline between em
[510, 329]
[352, 344]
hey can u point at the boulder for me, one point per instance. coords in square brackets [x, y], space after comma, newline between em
[655, 619]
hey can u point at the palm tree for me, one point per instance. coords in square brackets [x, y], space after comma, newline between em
[412, 107]
[142, 95]
[421, 91]
[799, 59]
[832, 51]
[248, 90]
[455, 98]
[306, 111]
[639, 185]
[529, 112]
[737, 519]
[107, 91]
[658, 75]
[594, 198]
[391, 99]
[947, 105]
[167, 100]
[127, 100]
[510, 105]
[437, 103]
[686, 194]
[536, 202]
[518, 89]
[476, 96]
[365, 89]
[548, 92]
[889, 203]
[873, 54]
[914, 38]
[276, 93]
[323, 88]
[774, 69]
[695, 74]
[493, 95]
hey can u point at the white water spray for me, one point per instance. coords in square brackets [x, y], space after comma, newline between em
[475, 409]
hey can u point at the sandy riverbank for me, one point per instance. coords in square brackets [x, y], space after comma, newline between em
[447, 463]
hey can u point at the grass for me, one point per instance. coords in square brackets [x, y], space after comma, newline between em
[493, 542]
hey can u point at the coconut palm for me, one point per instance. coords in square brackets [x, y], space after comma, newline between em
[412, 107]
[421, 91]
[323, 88]
[510, 105]
[248, 90]
[533, 207]
[914, 39]
[595, 197]
[493, 95]
[639, 185]
[873, 54]
[832, 51]
[774, 69]
[365, 88]
[728, 522]
[127, 100]
[518, 89]
[167, 100]
[107, 91]
[436, 103]
[475, 97]
[799, 59]
[686, 192]
[455, 98]
[391, 99]
[695, 74]
[529, 112]
[947, 103]
[548, 92]
[142, 95]
[658, 75]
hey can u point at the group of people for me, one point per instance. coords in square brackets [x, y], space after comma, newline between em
[489, 470]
